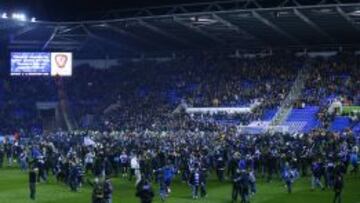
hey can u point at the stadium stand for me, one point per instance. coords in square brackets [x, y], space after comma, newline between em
[237, 83]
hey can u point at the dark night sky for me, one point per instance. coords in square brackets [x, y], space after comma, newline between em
[78, 9]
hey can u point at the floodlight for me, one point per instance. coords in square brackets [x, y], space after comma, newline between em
[4, 16]
[19, 16]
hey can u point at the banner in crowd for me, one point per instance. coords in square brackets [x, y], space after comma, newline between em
[348, 110]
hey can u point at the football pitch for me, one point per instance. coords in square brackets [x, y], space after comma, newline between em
[14, 189]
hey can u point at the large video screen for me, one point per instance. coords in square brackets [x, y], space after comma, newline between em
[41, 64]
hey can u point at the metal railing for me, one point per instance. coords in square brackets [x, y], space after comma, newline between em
[294, 94]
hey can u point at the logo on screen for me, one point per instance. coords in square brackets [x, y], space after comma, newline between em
[61, 60]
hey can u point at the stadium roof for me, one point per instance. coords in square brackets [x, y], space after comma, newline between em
[240, 24]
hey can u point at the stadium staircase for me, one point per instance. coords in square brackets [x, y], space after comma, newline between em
[295, 92]
[340, 123]
[268, 114]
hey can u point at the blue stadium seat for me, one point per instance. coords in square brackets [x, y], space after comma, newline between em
[340, 123]
[303, 120]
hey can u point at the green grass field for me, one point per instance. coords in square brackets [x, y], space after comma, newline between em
[14, 189]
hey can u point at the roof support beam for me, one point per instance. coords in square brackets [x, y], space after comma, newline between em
[176, 9]
[131, 35]
[37, 47]
[165, 34]
[73, 35]
[347, 18]
[53, 35]
[274, 27]
[348, 4]
[202, 7]
[198, 7]
[237, 28]
[312, 24]
[23, 31]
[105, 41]
[67, 29]
[256, 3]
[200, 31]
[35, 42]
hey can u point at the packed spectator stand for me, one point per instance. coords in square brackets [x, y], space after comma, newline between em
[144, 94]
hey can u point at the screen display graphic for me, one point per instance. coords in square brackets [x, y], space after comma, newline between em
[30, 63]
[41, 64]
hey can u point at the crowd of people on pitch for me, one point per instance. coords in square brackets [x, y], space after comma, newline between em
[160, 156]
